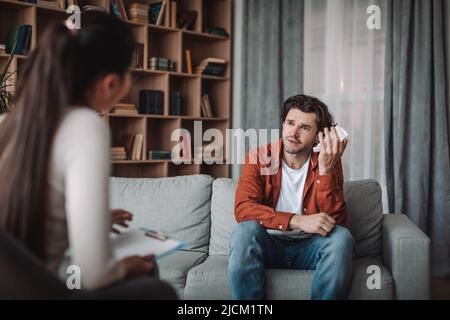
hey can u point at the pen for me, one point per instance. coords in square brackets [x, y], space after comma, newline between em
[155, 234]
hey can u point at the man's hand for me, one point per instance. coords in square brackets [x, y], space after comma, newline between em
[120, 217]
[320, 223]
[331, 150]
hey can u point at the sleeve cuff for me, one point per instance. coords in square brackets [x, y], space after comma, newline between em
[326, 182]
[280, 222]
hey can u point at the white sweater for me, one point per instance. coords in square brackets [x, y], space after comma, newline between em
[79, 214]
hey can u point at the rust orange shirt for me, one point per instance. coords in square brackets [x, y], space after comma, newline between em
[260, 184]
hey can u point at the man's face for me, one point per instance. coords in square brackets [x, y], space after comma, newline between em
[299, 131]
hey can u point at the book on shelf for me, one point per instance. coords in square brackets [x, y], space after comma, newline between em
[206, 106]
[161, 64]
[138, 143]
[93, 8]
[124, 109]
[159, 155]
[48, 3]
[118, 153]
[118, 9]
[138, 12]
[138, 57]
[175, 103]
[20, 37]
[151, 102]
[156, 12]
[211, 67]
[187, 19]
[173, 14]
[72, 3]
[188, 61]
[216, 31]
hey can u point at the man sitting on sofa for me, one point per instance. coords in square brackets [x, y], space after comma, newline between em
[292, 218]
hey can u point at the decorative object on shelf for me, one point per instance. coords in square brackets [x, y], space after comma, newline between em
[138, 12]
[206, 107]
[156, 12]
[124, 109]
[19, 39]
[159, 155]
[161, 64]
[151, 102]
[6, 96]
[187, 19]
[188, 61]
[175, 103]
[212, 67]
[217, 31]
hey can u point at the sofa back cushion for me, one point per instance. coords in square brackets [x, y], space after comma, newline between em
[179, 206]
[364, 209]
[222, 215]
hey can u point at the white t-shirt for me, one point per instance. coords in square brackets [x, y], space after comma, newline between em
[291, 198]
[292, 186]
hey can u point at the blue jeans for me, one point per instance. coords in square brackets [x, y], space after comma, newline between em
[252, 250]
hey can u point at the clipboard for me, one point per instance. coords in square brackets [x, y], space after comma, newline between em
[143, 242]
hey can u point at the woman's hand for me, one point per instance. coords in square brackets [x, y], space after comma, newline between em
[331, 150]
[136, 266]
[120, 217]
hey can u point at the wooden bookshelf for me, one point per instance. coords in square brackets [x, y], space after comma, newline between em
[166, 41]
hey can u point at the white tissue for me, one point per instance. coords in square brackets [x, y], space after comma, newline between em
[342, 134]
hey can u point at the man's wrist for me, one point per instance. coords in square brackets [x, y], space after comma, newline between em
[325, 171]
[294, 222]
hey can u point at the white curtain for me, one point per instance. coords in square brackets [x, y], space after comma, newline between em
[344, 67]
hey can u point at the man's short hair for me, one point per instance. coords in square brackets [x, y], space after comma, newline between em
[304, 103]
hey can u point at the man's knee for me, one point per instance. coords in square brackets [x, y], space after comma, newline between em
[246, 232]
[341, 240]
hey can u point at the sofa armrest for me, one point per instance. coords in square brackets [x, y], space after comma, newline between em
[406, 252]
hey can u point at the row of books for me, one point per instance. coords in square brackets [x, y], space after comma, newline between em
[159, 155]
[160, 13]
[162, 64]
[206, 106]
[211, 67]
[151, 102]
[54, 4]
[20, 38]
[131, 148]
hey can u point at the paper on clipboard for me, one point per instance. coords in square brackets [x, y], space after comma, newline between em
[135, 242]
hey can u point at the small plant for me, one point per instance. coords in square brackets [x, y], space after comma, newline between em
[6, 96]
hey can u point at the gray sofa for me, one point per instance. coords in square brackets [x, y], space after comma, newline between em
[199, 209]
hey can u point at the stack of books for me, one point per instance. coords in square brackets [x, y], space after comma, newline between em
[161, 64]
[93, 8]
[50, 4]
[175, 103]
[124, 109]
[159, 155]
[138, 12]
[212, 67]
[156, 12]
[19, 36]
[118, 153]
[151, 102]
[206, 107]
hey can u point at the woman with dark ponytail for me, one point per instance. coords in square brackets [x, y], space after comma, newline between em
[54, 149]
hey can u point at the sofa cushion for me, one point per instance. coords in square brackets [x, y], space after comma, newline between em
[174, 268]
[222, 217]
[365, 215]
[209, 280]
[364, 209]
[179, 206]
